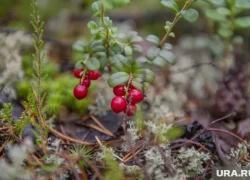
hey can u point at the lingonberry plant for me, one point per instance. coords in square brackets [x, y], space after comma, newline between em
[228, 16]
[114, 52]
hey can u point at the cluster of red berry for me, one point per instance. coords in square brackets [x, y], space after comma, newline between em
[126, 102]
[81, 90]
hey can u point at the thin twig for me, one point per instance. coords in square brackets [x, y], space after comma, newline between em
[232, 134]
[176, 19]
[65, 137]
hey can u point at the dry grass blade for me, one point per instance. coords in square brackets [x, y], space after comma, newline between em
[67, 138]
[100, 124]
[98, 129]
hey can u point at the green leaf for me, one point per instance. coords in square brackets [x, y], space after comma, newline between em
[225, 32]
[136, 39]
[159, 61]
[168, 56]
[110, 4]
[92, 25]
[153, 39]
[172, 34]
[128, 50]
[167, 46]
[116, 48]
[242, 22]
[79, 46]
[108, 22]
[168, 25]
[218, 2]
[243, 4]
[139, 84]
[215, 16]
[145, 74]
[223, 11]
[137, 47]
[96, 7]
[153, 52]
[98, 48]
[118, 78]
[171, 5]
[93, 64]
[96, 43]
[121, 63]
[141, 60]
[190, 15]
[79, 65]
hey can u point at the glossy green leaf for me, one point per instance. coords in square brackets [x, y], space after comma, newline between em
[96, 7]
[137, 47]
[168, 25]
[110, 4]
[244, 4]
[103, 62]
[120, 63]
[225, 32]
[153, 52]
[167, 46]
[171, 5]
[145, 74]
[172, 34]
[168, 56]
[190, 15]
[92, 25]
[118, 78]
[79, 65]
[116, 48]
[98, 48]
[108, 22]
[215, 16]
[136, 39]
[96, 43]
[223, 11]
[159, 61]
[139, 84]
[153, 39]
[128, 50]
[218, 2]
[242, 22]
[79, 46]
[93, 64]
[141, 61]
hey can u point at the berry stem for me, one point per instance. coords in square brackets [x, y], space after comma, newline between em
[83, 76]
[176, 19]
[128, 85]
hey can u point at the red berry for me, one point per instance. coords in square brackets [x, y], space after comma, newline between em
[77, 73]
[131, 110]
[118, 104]
[136, 96]
[86, 82]
[131, 87]
[94, 75]
[80, 91]
[119, 90]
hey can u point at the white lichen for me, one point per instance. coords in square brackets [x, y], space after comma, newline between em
[190, 161]
[16, 169]
[11, 60]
